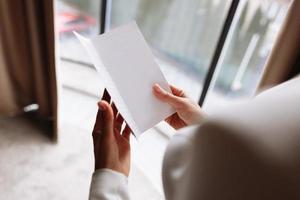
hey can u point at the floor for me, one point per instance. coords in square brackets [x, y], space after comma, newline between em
[32, 167]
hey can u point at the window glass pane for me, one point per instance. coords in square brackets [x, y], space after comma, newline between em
[182, 35]
[76, 15]
[245, 52]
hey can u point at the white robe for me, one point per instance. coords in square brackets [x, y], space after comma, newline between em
[248, 151]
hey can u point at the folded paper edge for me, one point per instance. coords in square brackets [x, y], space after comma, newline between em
[112, 89]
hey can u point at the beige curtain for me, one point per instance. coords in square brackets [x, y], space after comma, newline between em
[283, 62]
[27, 61]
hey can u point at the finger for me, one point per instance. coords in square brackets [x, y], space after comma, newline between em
[177, 92]
[106, 96]
[114, 109]
[97, 125]
[96, 131]
[126, 132]
[118, 123]
[98, 122]
[167, 97]
[107, 118]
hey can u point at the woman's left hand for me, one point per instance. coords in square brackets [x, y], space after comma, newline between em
[187, 113]
[111, 144]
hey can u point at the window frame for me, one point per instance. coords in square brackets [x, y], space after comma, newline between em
[218, 50]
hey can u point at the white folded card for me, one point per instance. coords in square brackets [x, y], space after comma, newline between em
[128, 69]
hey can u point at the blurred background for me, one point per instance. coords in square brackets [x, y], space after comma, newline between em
[183, 36]
[46, 76]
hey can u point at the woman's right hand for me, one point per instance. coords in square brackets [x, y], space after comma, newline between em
[187, 113]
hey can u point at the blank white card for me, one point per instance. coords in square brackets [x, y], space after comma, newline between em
[128, 69]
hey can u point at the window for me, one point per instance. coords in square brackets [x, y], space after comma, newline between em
[248, 44]
[80, 16]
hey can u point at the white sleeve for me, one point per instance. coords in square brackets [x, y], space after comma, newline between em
[109, 185]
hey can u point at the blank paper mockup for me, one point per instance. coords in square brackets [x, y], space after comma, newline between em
[128, 69]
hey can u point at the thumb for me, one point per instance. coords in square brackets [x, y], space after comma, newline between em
[107, 119]
[167, 97]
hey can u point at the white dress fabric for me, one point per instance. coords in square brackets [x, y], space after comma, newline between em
[248, 151]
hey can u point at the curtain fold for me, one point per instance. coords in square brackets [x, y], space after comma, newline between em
[27, 60]
[283, 62]
[8, 103]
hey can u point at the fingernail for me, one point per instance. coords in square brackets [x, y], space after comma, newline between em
[102, 105]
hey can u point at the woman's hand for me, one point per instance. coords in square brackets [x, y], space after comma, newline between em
[187, 113]
[111, 144]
